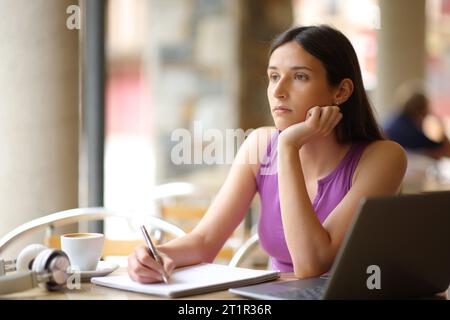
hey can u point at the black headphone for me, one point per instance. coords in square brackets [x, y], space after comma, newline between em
[36, 265]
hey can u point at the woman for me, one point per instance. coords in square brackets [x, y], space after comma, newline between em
[327, 152]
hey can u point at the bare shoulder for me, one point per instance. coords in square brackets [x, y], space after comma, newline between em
[383, 158]
[384, 150]
[256, 146]
[260, 138]
[262, 133]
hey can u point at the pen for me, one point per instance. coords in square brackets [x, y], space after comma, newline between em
[154, 252]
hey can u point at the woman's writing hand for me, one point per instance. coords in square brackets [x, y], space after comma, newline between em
[143, 268]
[320, 122]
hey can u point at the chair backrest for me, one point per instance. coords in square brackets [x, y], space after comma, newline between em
[112, 247]
[248, 251]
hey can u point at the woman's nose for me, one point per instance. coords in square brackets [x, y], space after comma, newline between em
[280, 90]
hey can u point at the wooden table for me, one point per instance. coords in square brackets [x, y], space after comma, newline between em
[89, 291]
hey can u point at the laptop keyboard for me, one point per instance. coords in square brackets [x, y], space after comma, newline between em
[308, 293]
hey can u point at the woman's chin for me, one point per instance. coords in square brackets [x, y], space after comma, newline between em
[281, 125]
[280, 128]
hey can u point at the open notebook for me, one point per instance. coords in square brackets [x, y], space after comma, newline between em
[202, 278]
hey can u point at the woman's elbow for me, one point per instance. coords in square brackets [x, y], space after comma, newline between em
[303, 274]
[303, 271]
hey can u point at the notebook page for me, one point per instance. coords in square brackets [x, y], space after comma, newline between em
[190, 279]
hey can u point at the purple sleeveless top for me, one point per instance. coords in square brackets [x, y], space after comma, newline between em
[330, 191]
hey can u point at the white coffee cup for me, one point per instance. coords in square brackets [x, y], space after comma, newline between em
[84, 249]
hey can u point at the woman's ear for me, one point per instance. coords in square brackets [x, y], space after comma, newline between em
[344, 91]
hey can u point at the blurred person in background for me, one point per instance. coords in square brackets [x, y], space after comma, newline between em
[406, 127]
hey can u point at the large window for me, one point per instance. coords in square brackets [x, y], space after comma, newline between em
[171, 66]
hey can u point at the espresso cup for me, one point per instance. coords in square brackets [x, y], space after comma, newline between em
[83, 249]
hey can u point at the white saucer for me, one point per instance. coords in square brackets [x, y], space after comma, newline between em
[103, 268]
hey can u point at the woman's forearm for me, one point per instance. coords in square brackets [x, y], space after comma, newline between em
[186, 250]
[308, 242]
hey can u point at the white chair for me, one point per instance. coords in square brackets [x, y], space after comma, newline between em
[111, 247]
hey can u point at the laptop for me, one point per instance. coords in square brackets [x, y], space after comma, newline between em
[395, 248]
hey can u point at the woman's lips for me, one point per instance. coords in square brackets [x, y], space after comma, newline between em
[281, 110]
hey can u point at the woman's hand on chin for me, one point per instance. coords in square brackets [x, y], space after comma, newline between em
[320, 122]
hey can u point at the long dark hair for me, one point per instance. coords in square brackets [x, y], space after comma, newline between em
[339, 58]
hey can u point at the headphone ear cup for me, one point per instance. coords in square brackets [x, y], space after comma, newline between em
[27, 256]
[55, 263]
[41, 260]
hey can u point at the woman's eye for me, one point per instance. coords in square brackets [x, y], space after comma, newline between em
[273, 77]
[301, 76]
